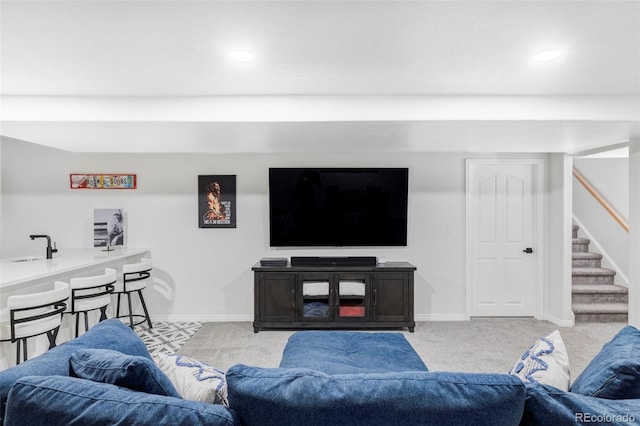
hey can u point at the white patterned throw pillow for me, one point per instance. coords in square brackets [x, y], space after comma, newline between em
[194, 380]
[545, 362]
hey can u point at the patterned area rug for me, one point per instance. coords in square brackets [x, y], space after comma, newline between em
[167, 336]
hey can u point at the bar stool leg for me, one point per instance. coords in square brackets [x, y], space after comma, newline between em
[21, 343]
[130, 311]
[144, 307]
[77, 323]
[86, 321]
[118, 306]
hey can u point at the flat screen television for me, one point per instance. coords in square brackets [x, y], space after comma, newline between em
[338, 207]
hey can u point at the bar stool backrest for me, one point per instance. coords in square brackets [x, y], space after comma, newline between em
[98, 288]
[136, 271]
[37, 313]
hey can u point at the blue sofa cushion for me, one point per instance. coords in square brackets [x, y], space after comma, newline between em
[615, 372]
[133, 372]
[35, 401]
[343, 352]
[547, 405]
[298, 396]
[109, 334]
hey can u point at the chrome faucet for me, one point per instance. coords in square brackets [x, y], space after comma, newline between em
[50, 250]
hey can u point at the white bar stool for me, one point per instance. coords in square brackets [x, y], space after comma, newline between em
[30, 315]
[134, 277]
[90, 294]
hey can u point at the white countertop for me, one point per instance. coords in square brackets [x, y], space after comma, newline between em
[66, 260]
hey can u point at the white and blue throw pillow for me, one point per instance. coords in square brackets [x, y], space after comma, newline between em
[545, 362]
[194, 380]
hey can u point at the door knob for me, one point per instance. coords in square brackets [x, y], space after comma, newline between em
[528, 250]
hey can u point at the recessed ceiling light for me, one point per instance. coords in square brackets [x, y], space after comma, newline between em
[241, 56]
[547, 55]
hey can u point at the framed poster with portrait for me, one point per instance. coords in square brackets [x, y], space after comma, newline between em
[216, 201]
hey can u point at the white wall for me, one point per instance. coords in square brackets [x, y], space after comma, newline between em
[610, 177]
[209, 270]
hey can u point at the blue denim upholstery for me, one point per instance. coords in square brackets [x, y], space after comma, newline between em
[35, 401]
[615, 372]
[546, 405]
[356, 379]
[343, 352]
[299, 396]
[109, 334]
[132, 372]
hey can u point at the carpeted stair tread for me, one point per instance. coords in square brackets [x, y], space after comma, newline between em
[586, 255]
[600, 308]
[598, 288]
[595, 296]
[600, 272]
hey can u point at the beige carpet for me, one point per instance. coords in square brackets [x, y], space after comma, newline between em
[481, 345]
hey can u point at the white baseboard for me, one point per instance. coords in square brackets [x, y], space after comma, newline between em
[441, 317]
[203, 318]
[560, 322]
[249, 318]
[419, 317]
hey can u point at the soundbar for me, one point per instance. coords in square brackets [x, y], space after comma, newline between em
[333, 261]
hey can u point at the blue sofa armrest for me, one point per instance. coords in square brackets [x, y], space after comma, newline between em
[39, 400]
[549, 405]
[299, 396]
[109, 334]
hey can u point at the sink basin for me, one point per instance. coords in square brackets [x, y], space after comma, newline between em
[26, 258]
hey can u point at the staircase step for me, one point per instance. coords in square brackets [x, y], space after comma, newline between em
[599, 293]
[586, 260]
[595, 297]
[586, 255]
[580, 244]
[592, 276]
[601, 312]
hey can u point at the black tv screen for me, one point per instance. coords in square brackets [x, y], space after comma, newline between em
[338, 206]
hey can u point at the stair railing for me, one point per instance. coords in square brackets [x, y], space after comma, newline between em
[600, 199]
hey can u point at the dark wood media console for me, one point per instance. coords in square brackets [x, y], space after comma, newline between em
[333, 297]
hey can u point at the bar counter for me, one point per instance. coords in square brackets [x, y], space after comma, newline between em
[19, 272]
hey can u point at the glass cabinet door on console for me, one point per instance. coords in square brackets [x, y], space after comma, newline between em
[352, 297]
[333, 297]
[315, 302]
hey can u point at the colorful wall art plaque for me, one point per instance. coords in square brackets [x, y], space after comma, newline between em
[105, 181]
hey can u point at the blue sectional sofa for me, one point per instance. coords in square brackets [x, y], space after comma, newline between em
[42, 391]
[325, 377]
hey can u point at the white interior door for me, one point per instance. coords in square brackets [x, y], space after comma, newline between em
[502, 238]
